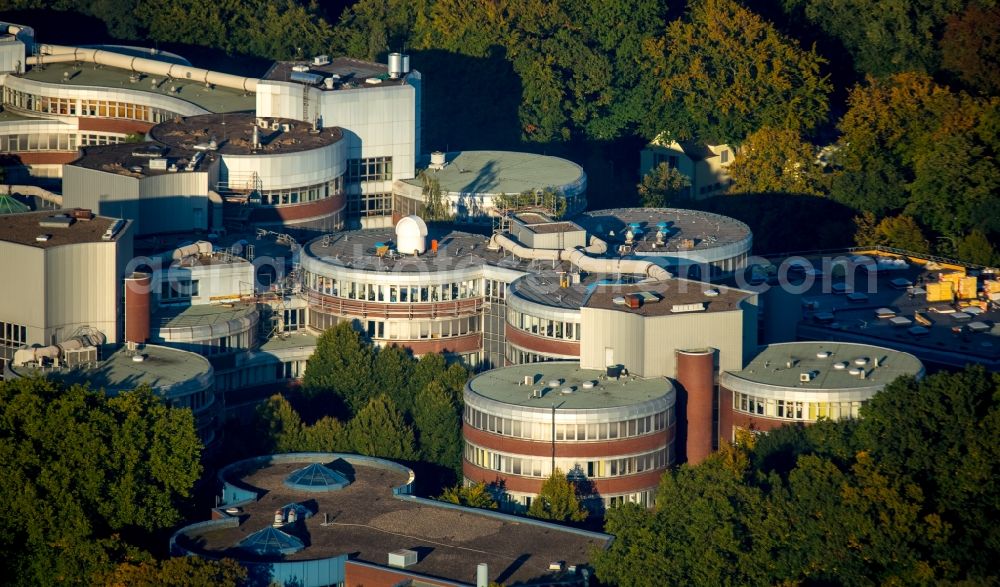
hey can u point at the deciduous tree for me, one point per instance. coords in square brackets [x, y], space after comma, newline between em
[776, 160]
[558, 500]
[663, 186]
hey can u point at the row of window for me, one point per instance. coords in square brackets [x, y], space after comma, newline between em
[402, 294]
[496, 290]
[178, 289]
[219, 346]
[792, 410]
[376, 204]
[23, 142]
[301, 195]
[369, 169]
[516, 356]
[403, 329]
[195, 401]
[13, 335]
[542, 466]
[543, 326]
[591, 431]
[81, 107]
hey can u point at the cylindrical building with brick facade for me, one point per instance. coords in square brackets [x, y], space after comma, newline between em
[614, 435]
[800, 382]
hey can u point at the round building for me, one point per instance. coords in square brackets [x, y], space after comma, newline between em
[691, 243]
[469, 182]
[801, 382]
[613, 433]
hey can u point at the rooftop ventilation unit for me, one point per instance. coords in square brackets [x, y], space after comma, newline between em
[437, 160]
[555, 382]
[321, 60]
[300, 68]
[588, 385]
[536, 393]
[43, 238]
[60, 221]
[328, 83]
[807, 376]
[304, 77]
[373, 81]
[402, 558]
[528, 380]
[395, 65]
[681, 308]
[159, 163]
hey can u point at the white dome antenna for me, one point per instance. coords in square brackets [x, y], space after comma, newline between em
[411, 235]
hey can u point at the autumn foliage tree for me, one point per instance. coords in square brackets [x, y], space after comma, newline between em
[776, 161]
[725, 73]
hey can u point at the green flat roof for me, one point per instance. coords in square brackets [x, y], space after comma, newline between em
[506, 385]
[507, 172]
[770, 366]
[201, 315]
[162, 367]
[216, 99]
[300, 338]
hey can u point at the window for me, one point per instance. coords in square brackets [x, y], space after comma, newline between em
[178, 289]
[369, 169]
[13, 335]
[725, 156]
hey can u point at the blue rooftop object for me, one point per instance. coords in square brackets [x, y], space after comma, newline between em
[271, 542]
[316, 477]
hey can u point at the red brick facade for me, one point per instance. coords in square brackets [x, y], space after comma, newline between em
[541, 344]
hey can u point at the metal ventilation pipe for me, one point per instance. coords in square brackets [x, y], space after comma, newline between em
[63, 54]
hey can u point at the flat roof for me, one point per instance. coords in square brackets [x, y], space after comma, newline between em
[214, 99]
[200, 315]
[947, 339]
[706, 229]
[233, 134]
[162, 367]
[367, 522]
[770, 366]
[290, 340]
[23, 228]
[133, 159]
[677, 296]
[355, 249]
[506, 385]
[502, 172]
[348, 73]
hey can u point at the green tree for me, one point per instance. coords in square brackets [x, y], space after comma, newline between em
[663, 186]
[970, 46]
[342, 365]
[901, 232]
[558, 500]
[181, 571]
[866, 230]
[940, 434]
[77, 469]
[393, 372]
[776, 160]
[976, 248]
[435, 206]
[285, 430]
[439, 428]
[379, 430]
[726, 73]
[884, 37]
[477, 495]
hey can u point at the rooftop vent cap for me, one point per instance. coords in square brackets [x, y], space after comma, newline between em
[807, 376]
[855, 371]
[566, 390]
[437, 160]
[374, 81]
[588, 385]
[841, 365]
[823, 355]
[555, 382]
[43, 238]
[328, 83]
[861, 361]
[138, 358]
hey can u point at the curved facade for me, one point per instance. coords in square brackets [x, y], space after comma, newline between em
[801, 382]
[543, 319]
[615, 436]
[471, 181]
[692, 243]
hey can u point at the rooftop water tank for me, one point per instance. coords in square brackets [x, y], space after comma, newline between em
[411, 235]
